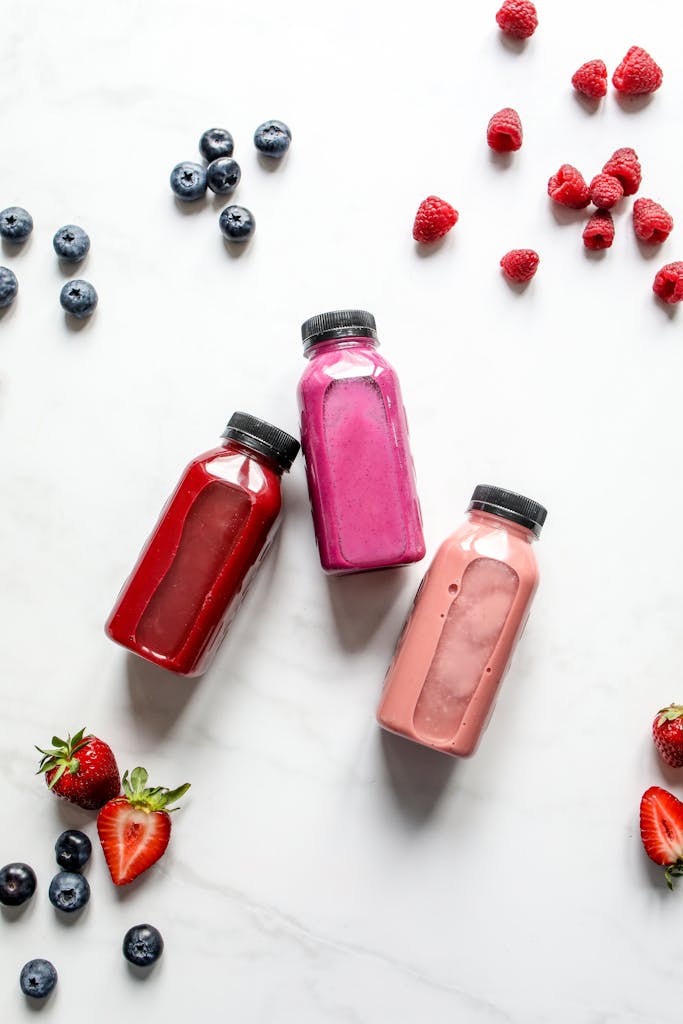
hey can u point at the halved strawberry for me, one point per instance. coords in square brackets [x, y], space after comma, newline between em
[81, 769]
[134, 829]
[661, 829]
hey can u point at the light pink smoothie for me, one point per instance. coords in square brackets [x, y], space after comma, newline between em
[359, 468]
[465, 622]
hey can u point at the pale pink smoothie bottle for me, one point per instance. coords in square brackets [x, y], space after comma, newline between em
[467, 617]
[354, 436]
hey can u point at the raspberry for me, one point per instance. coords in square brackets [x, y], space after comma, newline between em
[434, 218]
[568, 188]
[504, 132]
[624, 165]
[637, 74]
[517, 18]
[668, 284]
[651, 222]
[599, 231]
[591, 79]
[520, 264]
[606, 191]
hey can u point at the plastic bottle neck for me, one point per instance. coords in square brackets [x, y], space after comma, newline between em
[336, 344]
[268, 461]
[493, 521]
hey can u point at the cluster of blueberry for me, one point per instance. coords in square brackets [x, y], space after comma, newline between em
[69, 891]
[189, 180]
[71, 244]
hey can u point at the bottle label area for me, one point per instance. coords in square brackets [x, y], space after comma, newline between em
[470, 633]
[209, 534]
[366, 507]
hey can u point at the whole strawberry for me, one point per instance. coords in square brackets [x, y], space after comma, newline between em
[81, 769]
[135, 828]
[667, 732]
[434, 218]
[661, 829]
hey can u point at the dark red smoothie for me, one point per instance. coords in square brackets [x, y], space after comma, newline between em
[211, 537]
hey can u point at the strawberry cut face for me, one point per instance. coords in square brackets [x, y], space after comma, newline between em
[661, 829]
[132, 838]
[134, 829]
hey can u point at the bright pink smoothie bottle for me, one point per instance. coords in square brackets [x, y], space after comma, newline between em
[354, 436]
[468, 615]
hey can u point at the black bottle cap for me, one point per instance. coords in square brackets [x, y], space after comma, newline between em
[263, 437]
[340, 323]
[509, 505]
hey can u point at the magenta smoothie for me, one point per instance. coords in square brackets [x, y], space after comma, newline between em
[354, 436]
[468, 615]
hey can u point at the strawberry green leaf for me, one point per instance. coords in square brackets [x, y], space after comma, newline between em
[57, 776]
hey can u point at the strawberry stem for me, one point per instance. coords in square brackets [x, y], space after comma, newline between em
[149, 798]
[670, 714]
[62, 755]
[674, 870]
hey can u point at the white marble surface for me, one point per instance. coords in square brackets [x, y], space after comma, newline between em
[320, 871]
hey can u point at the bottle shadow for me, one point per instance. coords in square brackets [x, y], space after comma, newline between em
[158, 697]
[361, 601]
[417, 776]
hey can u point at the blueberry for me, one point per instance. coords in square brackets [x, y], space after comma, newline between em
[73, 849]
[71, 243]
[272, 138]
[17, 884]
[188, 180]
[143, 945]
[8, 287]
[69, 891]
[223, 175]
[237, 223]
[78, 298]
[16, 224]
[216, 142]
[37, 978]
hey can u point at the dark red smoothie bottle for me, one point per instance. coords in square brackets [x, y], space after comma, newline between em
[212, 535]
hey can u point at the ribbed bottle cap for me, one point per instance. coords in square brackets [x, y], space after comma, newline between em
[509, 505]
[340, 323]
[263, 437]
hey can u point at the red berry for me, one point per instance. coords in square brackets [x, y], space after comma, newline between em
[520, 264]
[668, 284]
[568, 188]
[637, 74]
[606, 191]
[599, 231]
[504, 132]
[82, 770]
[434, 219]
[591, 79]
[651, 222]
[667, 732]
[624, 165]
[661, 829]
[134, 829]
[517, 18]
